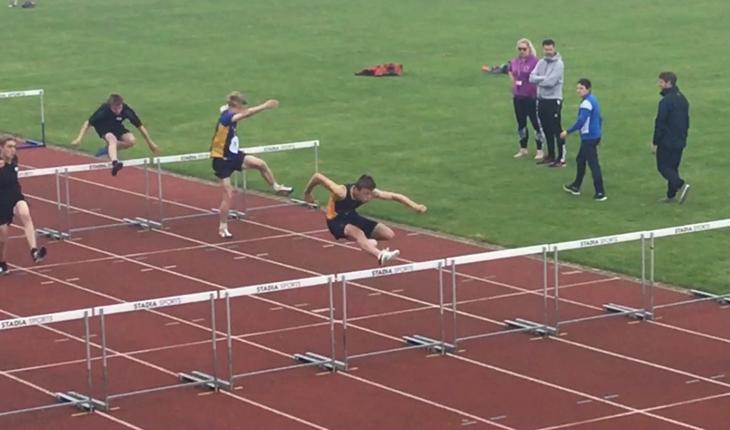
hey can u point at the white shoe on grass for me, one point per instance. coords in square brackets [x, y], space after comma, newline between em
[521, 153]
[683, 193]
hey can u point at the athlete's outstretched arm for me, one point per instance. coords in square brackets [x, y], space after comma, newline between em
[147, 138]
[329, 184]
[251, 111]
[82, 132]
[400, 198]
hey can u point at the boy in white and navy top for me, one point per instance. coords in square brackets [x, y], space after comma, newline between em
[589, 124]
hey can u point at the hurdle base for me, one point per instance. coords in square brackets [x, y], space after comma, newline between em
[723, 300]
[531, 327]
[142, 223]
[85, 403]
[431, 345]
[52, 233]
[32, 143]
[304, 203]
[638, 314]
[204, 380]
[232, 214]
[321, 361]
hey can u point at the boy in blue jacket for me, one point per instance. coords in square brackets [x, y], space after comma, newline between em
[589, 124]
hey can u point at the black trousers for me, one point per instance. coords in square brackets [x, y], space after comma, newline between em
[667, 162]
[588, 154]
[526, 107]
[549, 113]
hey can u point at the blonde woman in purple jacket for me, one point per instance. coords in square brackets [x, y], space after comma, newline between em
[524, 96]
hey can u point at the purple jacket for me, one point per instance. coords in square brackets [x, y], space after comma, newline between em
[520, 70]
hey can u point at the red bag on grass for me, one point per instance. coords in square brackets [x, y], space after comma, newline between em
[378, 70]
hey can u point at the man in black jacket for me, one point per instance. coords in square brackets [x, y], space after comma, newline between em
[670, 136]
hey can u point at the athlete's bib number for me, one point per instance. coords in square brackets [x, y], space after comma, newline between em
[233, 147]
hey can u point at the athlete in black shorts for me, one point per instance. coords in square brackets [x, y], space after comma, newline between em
[343, 220]
[108, 122]
[227, 156]
[12, 203]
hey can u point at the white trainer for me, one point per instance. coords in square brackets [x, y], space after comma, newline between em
[223, 232]
[283, 190]
[386, 255]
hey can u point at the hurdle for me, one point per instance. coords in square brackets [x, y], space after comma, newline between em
[64, 205]
[82, 401]
[240, 209]
[63, 197]
[408, 341]
[611, 309]
[694, 296]
[31, 143]
[324, 359]
[646, 309]
[184, 379]
[526, 323]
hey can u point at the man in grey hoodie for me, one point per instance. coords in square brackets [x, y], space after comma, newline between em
[548, 76]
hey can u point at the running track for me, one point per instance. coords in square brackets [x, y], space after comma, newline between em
[671, 373]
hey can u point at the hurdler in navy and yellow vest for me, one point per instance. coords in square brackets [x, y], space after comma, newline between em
[344, 206]
[225, 140]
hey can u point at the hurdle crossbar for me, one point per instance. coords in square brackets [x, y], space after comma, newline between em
[76, 168]
[63, 193]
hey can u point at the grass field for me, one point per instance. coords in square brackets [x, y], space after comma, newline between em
[444, 133]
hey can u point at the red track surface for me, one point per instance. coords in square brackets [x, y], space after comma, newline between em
[671, 373]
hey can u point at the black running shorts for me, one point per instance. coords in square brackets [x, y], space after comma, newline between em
[224, 167]
[337, 224]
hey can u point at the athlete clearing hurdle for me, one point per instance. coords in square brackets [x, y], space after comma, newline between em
[343, 220]
[12, 202]
[228, 157]
[107, 121]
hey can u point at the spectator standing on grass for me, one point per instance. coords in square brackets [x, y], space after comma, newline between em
[524, 96]
[548, 75]
[589, 124]
[670, 136]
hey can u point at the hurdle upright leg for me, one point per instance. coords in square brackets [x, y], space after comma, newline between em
[556, 295]
[545, 305]
[316, 158]
[67, 212]
[147, 210]
[87, 344]
[243, 198]
[333, 350]
[104, 360]
[454, 331]
[442, 327]
[344, 323]
[652, 286]
[214, 349]
[229, 341]
[159, 193]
